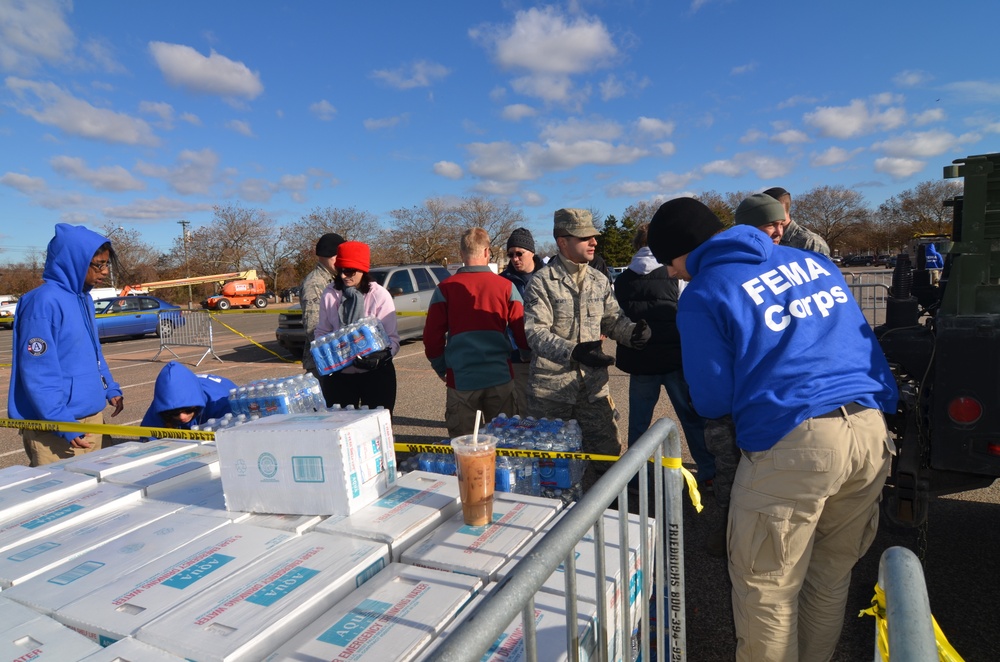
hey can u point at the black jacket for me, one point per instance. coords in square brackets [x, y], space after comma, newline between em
[652, 297]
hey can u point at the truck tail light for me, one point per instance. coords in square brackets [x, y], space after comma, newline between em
[993, 448]
[964, 410]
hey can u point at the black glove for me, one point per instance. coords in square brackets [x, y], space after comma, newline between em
[640, 334]
[373, 361]
[590, 354]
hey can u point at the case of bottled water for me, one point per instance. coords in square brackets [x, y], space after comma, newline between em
[338, 349]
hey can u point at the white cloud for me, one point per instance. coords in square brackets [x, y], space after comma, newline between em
[790, 137]
[898, 168]
[924, 144]
[191, 118]
[575, 129]
[515, 112]
[832, 156]
[295, 185]
[185, 67]
[752, 136]
[22, 183]
[421, 73]
[323, 110]
[34, 33]
[193, 174]
[855, 119]
[156, 209]
[99, 53]
[929, 117]
[743, 69]
[632, 189]
[257, 190]
[532, 199]
[240, 126]
[108, 178]
[666, 149]
[162, 110]
[764, 166]
[376, 123]
[448, 169]
[975, 91]
[911, 78]
[611, 88]
[56, 107]
[797, 100]
[500, 161]
[656, 128]
[549, 87]
[565, 156]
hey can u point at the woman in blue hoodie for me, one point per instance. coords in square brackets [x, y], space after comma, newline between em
[59, 372]
[182, 399]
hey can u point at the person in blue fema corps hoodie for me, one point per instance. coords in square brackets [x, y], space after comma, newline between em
[59, 372]
[771, 335]
[182, 399]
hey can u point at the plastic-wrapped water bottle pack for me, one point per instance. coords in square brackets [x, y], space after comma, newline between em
[277, 395]
[336, 350]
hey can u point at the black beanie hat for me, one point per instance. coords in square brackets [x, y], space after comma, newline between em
[521, 238]
[679, 226]
[777, 193]
[327, 244]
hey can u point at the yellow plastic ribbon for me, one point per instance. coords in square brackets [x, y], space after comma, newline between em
[946, 653]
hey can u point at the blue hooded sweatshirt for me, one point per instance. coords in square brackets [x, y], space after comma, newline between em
[772, 335]
[177, 387]
[59, 372]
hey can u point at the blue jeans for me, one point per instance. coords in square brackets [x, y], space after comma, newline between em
[644, 393]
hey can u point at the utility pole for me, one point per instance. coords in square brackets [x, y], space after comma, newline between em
[187, 263]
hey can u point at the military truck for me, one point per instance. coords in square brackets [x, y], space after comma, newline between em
[942, 339]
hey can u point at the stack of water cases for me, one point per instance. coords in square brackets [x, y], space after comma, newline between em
[337, 350]
[554, 478]
[266, 397]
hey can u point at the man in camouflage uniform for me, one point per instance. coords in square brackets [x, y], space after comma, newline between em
[568, 308]
[312, 290]
[795, 235]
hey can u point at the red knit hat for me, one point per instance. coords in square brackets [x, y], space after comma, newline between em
[354, 255]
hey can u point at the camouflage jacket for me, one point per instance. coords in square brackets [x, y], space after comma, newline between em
[557, 316]
[797, 236]
[310, 297]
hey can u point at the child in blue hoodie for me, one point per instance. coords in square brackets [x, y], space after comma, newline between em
[771, 335]
[182, 399]
[59, 372]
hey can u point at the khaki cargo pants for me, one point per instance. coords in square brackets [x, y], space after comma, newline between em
[48, 447]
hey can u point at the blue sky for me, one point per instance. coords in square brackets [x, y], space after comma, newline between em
[145, 113]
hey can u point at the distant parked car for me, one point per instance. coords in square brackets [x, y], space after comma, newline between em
[411, 287]
[7, 315]
[887, 261]
[136, 316]
[859, 261]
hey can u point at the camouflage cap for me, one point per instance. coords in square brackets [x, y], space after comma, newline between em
[574, 222]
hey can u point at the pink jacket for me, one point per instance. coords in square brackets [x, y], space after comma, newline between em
[378, 303]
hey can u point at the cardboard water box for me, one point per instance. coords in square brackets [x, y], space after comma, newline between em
[297, 524]
[328, 463]
[202, 495]
[131, 650]
[55, 516]
[392, 617]
[42, 638]
[100, 566]
[122, 457]
[250, 614]
[615, 588]
[22, 562]
[37, 491]
[550, 632]
[165, 473]
[18, 473]
[14, 613]
[420, 502]
[119, 609]
[482, 550]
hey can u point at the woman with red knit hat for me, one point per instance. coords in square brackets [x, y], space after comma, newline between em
[371, 379]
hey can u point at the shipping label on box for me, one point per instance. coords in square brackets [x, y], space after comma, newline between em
[22, 562]
[68, 512]
[100, 566]
[42, 638]
[420, 502]
[165, 473]
[123, 457]
[248, 615]
[482, 550]
[119, 609]
[392, 617]
[37, 491]
[329, 463]
[131, 650]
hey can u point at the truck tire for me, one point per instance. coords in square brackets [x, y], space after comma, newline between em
[260, 302]
[223, 304]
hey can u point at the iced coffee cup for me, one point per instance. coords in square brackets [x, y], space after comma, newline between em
[475, 462]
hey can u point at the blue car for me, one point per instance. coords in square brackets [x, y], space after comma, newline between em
[136, 316]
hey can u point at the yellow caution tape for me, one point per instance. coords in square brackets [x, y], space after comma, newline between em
[116, 430]
[946, 653]
[251, 340]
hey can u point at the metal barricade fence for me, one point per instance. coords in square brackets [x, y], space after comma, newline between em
[185, 328]
[871, 291]
[907, 608]
[515, 594]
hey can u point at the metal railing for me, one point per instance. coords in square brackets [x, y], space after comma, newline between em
[185, 328]
[911, 636]
[871, 291]
[514, 595]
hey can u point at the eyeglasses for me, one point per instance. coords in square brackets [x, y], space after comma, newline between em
[100, 266]
[513, 254]
[349, 273]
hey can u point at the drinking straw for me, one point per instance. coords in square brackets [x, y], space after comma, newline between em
[475, 430]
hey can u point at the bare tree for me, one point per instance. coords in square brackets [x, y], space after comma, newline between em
[273, 254]
[497, 218]
[641, 212]
[833, 212]
[229, 242]
[136, 259]
[724, 205]
[424, 234]
[921, 209]
[20, 277]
